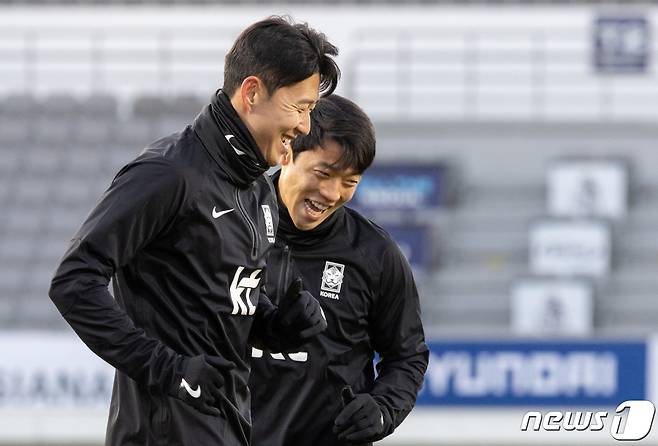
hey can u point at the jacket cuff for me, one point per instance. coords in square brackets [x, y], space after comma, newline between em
[387, 419]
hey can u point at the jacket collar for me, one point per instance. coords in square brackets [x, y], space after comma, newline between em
[229, 142]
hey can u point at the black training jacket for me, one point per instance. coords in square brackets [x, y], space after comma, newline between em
[183, 232]
[368, 295]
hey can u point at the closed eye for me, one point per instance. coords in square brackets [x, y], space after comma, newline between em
[300, 109]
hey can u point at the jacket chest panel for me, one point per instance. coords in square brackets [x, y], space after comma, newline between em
[233, 227]
[223, 241]
[341, 285]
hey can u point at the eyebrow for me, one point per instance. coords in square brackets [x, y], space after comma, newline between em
[326, 165]
[333, 167]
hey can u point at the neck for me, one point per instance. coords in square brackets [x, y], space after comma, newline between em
[281, 190]
[240, 108]
[238, 105]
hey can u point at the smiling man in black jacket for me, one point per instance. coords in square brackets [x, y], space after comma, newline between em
[327, 394]
[183, 232]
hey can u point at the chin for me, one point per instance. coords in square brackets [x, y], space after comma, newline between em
[304, 225]
[313, 224]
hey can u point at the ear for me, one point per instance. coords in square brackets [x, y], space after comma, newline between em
[286, 158]
[251, 92]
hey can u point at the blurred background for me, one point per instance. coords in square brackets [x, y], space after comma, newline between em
[516, 168]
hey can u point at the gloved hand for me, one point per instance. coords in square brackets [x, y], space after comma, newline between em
[201, 383]
[361, 419]
[300, 313]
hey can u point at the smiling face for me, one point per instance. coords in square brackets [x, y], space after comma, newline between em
[275, 120]
[311, 187]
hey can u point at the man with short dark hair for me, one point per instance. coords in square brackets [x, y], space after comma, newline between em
[327, 394]
[183, 231]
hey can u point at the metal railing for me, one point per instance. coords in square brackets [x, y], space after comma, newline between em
[493, 74]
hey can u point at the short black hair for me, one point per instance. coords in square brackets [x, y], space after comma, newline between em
[339, 119]
[281, 53]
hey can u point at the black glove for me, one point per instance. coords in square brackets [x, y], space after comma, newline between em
[300, 314]
[201, 383]
[361, 419]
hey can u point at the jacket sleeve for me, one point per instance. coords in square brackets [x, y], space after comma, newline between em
[263, 331]
[142, 202]
[399, 339]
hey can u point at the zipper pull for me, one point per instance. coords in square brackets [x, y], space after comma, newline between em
[287, 253]
[284, 272]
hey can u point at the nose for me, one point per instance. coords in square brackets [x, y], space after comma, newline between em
[330, 190]
[304, 124]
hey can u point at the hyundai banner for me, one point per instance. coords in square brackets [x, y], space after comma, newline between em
[563, 374]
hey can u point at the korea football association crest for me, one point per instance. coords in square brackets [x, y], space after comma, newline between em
[269, 224]
[332, 280]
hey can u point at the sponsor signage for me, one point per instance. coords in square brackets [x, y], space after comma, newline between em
[570, 247]
[588, 188]
[415, 243]
[552, 306]
[564, 374]
[51, 370]
[402, 187]
[622, 44]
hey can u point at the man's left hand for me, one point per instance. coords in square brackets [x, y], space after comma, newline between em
[361, 419]
[300, 312]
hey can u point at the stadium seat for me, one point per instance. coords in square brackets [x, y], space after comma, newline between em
[99, 123]
[185, 106]
[14, 131]
[55, 117]
[32, 191]
[179, 112]
[150, 107]
[10, 160]
[11, 277]
[134, 134]
[60, 105]
[19, 105]
[100, 105]
[41, 160]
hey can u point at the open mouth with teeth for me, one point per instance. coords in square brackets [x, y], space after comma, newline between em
[315, 208]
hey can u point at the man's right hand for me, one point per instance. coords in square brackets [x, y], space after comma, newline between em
[201, 383]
